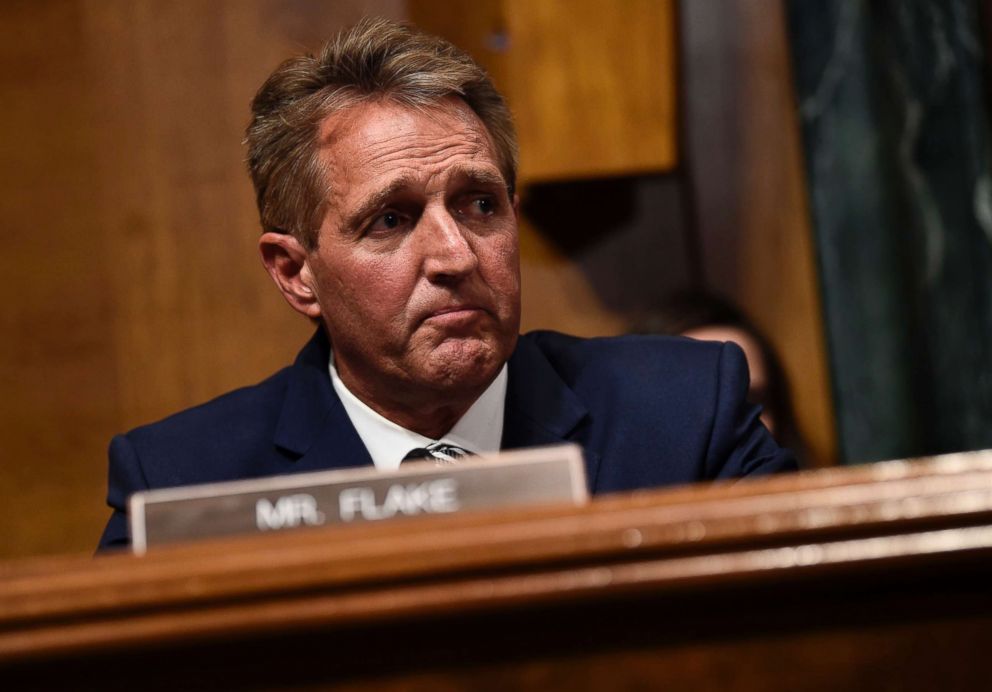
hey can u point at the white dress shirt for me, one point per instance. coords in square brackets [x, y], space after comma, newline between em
[480, 430]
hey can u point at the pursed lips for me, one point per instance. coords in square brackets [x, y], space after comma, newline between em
[454, 313]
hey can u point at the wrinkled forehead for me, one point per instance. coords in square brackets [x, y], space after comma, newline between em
[383, 130]
[353, 116]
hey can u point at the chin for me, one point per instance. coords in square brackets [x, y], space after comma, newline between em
[466, 363]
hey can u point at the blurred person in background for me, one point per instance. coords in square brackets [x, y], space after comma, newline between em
[708, 317]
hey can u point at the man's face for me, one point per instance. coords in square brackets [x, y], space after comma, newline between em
[416, 272]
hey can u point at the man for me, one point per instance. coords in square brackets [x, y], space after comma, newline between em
[384, 170]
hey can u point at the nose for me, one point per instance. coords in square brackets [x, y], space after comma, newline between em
[447, 253]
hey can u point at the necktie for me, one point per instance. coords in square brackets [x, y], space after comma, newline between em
[441, 452]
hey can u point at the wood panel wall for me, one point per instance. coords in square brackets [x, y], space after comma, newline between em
[129, 278]
[591, 83]
[745, 163]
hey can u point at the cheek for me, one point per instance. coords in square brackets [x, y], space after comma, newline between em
[367, 292]
[502, 262]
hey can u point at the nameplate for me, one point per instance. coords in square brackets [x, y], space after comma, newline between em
[545, 475]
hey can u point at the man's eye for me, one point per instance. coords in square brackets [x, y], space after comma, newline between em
[480, 207]
[387, 221]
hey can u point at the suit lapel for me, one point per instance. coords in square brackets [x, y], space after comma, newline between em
[540, 408]
[313, 424]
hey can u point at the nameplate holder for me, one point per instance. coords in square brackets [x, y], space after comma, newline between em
[542, 475]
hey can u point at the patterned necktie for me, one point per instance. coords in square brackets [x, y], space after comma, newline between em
[441, 452]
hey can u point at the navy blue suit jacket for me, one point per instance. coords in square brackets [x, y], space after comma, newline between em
[647, 411]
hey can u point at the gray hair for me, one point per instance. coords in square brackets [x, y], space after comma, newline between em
[375, 58]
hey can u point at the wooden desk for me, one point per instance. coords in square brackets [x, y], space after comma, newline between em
[866, 578]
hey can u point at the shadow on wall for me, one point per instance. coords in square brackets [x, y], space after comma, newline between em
[627, 234]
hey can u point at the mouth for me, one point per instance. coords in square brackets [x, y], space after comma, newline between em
[455, 315]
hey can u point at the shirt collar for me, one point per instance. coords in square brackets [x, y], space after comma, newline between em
[480, 430]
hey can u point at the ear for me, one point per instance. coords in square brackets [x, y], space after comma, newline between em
[516, 206]
[286, 260]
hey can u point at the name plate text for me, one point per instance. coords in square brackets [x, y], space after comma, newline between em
[546, 475]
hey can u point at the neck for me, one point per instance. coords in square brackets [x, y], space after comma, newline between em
[428, 413]
[431, 424]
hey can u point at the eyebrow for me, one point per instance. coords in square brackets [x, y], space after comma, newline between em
[377, 199]
[482, 176]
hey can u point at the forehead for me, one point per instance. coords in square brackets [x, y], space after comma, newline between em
[371, 143]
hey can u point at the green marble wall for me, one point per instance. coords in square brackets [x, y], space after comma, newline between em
[894, 109]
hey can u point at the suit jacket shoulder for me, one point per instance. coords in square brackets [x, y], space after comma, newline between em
[288, 423]
[654, 410]
[223, 439]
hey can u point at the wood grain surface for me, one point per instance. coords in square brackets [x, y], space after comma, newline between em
[130, 281]
[744, 159]
[592, 84]
[904, 544]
